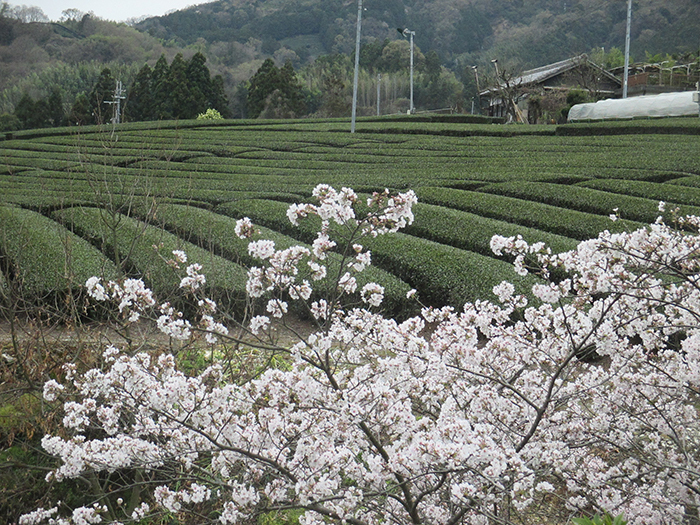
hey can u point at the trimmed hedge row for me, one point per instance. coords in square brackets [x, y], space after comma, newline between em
[473, 232]
[214, 232]
[591, 199]
[442, 274]
[43, 257]
[131, 243]
[672, 191]
[568, 223]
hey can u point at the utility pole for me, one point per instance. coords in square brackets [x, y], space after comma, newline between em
[379, 91]
[116, 102]
[357, 66]
[627, 50]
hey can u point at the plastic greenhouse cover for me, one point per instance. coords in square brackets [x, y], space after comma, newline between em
[664, 105]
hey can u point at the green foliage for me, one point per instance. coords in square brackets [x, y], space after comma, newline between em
[9, 122]
[545, 217]
[213, 232]
[615, 195]
[439, 272]
[210, 114]
[131, 244]
[552, 188]
[606, 519]
[43, 257]
[275, 93]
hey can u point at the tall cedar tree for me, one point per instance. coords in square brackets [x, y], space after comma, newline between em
[180, 95]
[261, 85]
[80, 113]
[162, 90]
[140, 102]
[56, 112]
[24, 111]
[274, 92]
[200, 87]
[219, 100]
[102, 92]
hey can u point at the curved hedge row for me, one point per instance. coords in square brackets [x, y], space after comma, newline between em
[442, 274]
[597, 197]
[45, 258]
[672, 191]
[473, 232]
[215, 232]
[561, 221]
[140, 249]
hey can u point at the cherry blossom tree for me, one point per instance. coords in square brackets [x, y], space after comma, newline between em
[579, 399]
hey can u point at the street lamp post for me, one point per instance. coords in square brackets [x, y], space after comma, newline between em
[495, 64]
[357, 66]
[410, 34]
[478, 89]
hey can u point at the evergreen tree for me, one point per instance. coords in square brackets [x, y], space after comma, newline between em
[182, 98]
[219, 100]
[102, 91]
[56, 112]
[80, 113]
[335, 101]
[162, 90]
[275, 93]
[292, 90]
[24, 111]
[140, 101]
[200, 93]
[261, 85]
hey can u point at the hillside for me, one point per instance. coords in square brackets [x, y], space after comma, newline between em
[236, 36]
[525, 33]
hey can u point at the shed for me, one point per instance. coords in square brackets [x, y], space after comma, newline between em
[529, 90]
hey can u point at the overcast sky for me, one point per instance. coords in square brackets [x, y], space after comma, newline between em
[117, 10]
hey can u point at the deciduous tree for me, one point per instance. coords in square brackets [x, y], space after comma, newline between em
[582, 399]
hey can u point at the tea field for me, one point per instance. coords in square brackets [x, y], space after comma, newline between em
[83, 201]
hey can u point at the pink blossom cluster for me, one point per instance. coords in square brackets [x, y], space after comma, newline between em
[581, 396]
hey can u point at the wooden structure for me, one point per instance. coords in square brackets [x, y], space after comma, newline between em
[535, 95]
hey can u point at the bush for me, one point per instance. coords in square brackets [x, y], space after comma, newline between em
[212, 232]
[560, 221]
[44, 258]
[210, 114]
[442, 274]
[140, 250]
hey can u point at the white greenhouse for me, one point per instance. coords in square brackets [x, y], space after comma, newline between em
[684, 103]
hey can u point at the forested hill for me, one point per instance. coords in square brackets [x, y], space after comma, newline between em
[526, 33]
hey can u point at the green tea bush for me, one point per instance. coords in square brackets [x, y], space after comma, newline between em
[214, 232]
[473, 232]
[141, 249]
[672, 191]
[43, 257]
[442, 274]
[561, 221]
[599, 196]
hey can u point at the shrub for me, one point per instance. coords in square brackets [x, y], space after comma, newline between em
[45, 258]
[140, 250]
[210, 114]
[560, 221]
[442, 274]
[212, 231]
